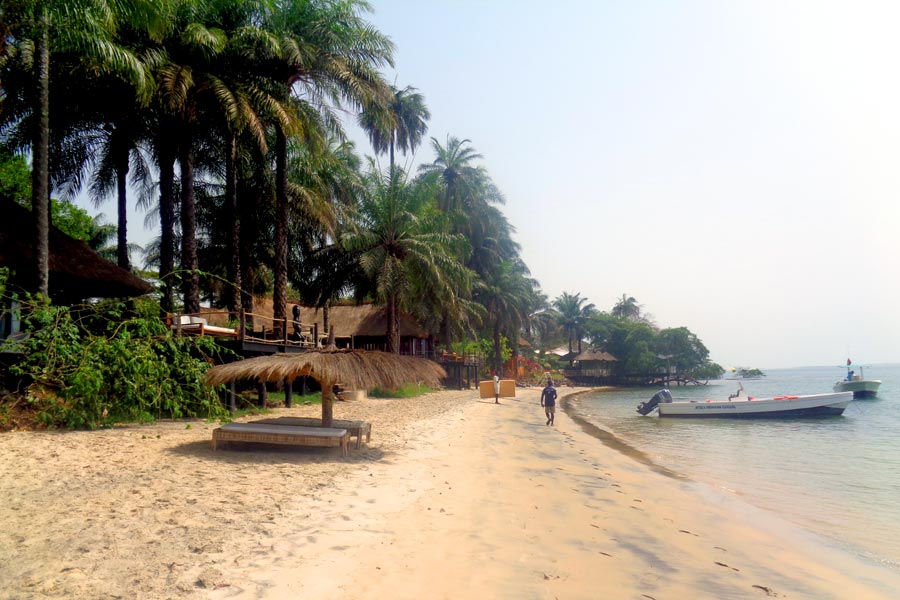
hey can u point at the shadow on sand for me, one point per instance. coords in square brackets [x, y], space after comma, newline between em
[276, 454]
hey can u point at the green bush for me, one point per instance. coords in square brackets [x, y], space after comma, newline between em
[90, 366]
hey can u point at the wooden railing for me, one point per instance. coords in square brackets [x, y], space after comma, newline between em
[278, 332]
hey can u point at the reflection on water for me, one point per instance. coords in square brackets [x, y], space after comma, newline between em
[838, 476]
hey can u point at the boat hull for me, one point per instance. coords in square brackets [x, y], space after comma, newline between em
[861, 388]
[764, 408]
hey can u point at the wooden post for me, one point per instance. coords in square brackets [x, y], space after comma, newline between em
[261, 392]
[327, 403]
[232, 399]
[288, 393]
[315, 335]
[303, 387]
[242, 324]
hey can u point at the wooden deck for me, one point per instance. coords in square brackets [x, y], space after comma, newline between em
[265, 433]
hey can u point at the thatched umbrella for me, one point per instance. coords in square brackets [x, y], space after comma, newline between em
[358, 369]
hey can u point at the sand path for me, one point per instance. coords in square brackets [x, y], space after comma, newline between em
[492, 503]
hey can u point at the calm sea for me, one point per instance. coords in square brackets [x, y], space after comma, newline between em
[838, 477]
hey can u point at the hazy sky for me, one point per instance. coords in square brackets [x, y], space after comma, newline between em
[734, 166]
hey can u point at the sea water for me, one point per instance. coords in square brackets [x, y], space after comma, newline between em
[838, 477]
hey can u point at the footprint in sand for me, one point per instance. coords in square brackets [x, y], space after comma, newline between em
[726, 566]
[768, 591]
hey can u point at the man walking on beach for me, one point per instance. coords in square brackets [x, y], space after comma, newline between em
[548, 401]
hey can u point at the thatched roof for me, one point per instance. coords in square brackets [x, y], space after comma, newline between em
[76, 271]
[593, 355]
[351, 320]
[356, 369]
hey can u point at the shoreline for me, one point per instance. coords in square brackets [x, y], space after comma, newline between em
[720, 483]
[453, 495]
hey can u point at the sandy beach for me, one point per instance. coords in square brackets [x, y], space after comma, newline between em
[454, 497]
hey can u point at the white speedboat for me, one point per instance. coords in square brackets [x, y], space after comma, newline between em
[858, 384]
[742, 406]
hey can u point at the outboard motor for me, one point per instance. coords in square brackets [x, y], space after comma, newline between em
[645, 408]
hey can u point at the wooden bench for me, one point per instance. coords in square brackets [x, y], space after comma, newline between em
[357, 428]
[266, 433]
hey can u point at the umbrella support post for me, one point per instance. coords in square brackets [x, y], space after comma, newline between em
[232, 399]
[288, 393]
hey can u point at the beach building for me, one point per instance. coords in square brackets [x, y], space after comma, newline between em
[592, 367]
[77, 273]
[356, 326]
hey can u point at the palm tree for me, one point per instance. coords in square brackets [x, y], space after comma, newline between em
[627, 308]
[330, 57]
[52, 27]
[453, 164]
[209, 90]
[399, 243]
[507, 295]
[572, 315]
[402, 123]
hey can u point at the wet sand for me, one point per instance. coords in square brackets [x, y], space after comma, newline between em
[454, 497]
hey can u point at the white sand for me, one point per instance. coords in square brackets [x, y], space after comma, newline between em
[453, 498]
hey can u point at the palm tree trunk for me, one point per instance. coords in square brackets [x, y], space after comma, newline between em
[121, 159]
[393, 326]
[445, 331]
[279, 293]
[498, 352]
[393, 135]
[233, 293]
[40, 174]
[326, 318]
[166, 161]
[190, 278]
[247, 245]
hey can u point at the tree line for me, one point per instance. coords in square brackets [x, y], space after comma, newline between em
[226, 120]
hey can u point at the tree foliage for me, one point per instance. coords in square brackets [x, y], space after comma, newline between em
[90, 366]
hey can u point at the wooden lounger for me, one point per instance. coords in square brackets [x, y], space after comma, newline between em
[357, 428]
[282, 434]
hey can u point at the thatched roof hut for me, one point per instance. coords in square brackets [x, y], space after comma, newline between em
[360, 326]
[594, 355]
[357, 369]
[76, 271]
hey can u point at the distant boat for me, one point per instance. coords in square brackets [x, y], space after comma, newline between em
[858, 384]
[742, 406]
